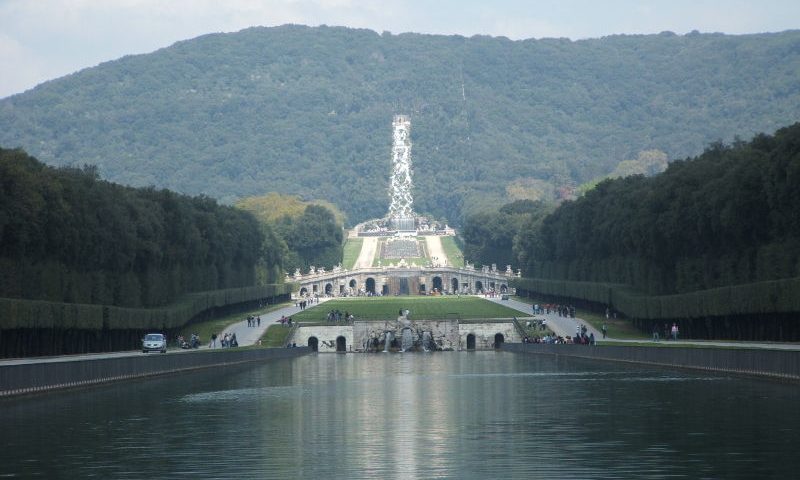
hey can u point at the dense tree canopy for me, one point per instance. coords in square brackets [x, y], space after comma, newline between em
[495, 236]
[67, 236]
[307, 111]
[728, 216]
[305, 233]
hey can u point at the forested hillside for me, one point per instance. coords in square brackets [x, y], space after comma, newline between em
[308, 111]
[304, 233]
[66, 236]
[730, 216]
[490, 237]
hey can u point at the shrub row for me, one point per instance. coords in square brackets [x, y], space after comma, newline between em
[774, 296]
[37, 314]
[590, 291]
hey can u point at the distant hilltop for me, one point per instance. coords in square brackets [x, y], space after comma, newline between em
[304, 111]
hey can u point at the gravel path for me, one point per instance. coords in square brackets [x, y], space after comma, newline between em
[367, 254]
[436, 253]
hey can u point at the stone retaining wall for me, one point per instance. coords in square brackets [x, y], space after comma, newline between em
[783, 364]
[51, 374]
[326, 336]
[486, 334]
[448, 334]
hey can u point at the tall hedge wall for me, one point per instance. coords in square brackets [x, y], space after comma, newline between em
[37, 314]
[774, 296]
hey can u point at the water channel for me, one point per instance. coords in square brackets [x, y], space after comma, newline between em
[440, 415]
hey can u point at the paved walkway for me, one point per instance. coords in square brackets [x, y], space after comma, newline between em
[367, 254]
[562, 326]
[433, 244]
[249, 335]
[567, 326]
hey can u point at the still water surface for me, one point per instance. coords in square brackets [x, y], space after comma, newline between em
[444, 415]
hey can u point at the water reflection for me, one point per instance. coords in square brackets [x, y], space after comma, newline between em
[443, 415]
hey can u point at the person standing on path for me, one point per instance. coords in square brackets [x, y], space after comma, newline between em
[605, 330]
[674, 331]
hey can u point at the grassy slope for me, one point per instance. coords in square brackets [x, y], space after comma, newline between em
[275, 336]
[352, 247]
[453, 251]
[428, 308]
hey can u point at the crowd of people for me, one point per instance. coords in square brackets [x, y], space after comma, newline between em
[580, 337]
[304, 302]
[549, 339]
[227, 341]
[538, 332]
[669, 332]
[335, 316]
[562, 310]
[253, 321]
[537, 324]
[193, 342]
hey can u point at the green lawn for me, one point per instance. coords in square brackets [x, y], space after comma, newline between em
[453, 251]
[352, 247]
[275, 336]
[421, 308]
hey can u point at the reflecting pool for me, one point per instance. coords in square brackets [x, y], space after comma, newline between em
[440, 415]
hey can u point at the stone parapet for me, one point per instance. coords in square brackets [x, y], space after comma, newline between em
[35, 376]
[759, 362]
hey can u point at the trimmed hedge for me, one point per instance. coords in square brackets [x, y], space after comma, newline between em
[37, 314]
[591, 291]
[16, 313]
[774, 296]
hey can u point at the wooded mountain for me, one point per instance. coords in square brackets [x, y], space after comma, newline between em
[308, 111]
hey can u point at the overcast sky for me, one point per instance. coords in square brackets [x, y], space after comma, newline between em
[46, 39]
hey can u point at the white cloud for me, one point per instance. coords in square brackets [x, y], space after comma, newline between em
[21, 69]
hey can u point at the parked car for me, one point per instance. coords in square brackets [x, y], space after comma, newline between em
[154, 342]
